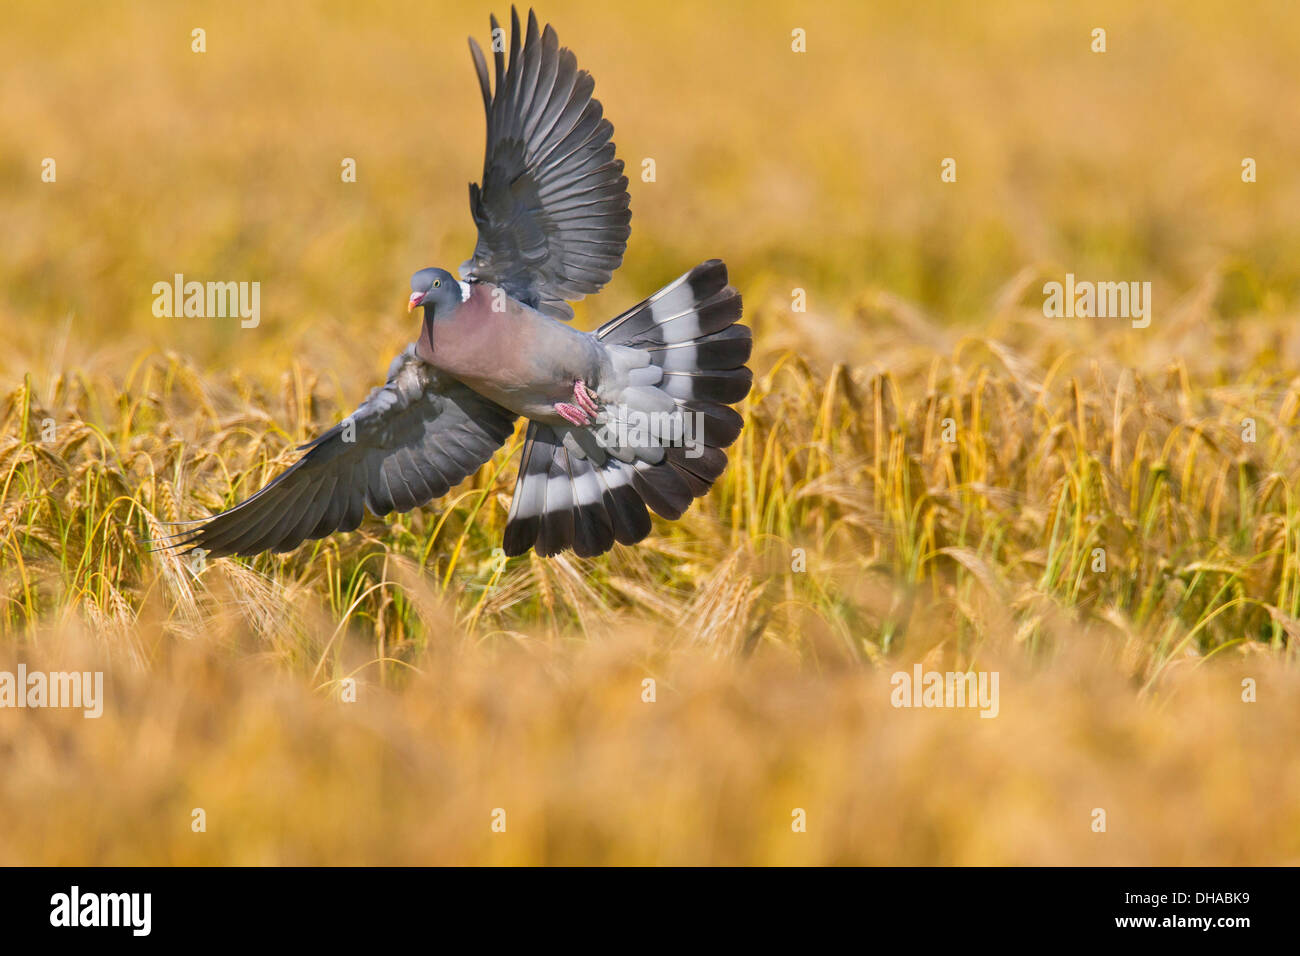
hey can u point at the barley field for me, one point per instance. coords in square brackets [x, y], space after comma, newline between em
[933, 471]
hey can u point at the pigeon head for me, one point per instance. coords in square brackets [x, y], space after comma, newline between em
[438, 291]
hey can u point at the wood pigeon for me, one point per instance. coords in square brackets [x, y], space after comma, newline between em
[632, 416]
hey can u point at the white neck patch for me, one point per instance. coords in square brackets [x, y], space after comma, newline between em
[464, 291]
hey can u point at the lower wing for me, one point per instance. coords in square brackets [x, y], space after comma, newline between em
[409, 442]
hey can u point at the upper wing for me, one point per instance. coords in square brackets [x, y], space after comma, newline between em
[552, 213]
[410, 441]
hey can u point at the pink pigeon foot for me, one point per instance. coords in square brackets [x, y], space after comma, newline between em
[585, 411]
[586, 398]
[571, 414]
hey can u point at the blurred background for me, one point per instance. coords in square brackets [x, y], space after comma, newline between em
[484, 687]
[817, 170]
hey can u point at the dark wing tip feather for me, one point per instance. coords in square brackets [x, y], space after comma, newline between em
[481, 68]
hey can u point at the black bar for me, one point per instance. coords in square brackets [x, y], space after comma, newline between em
[329, 905]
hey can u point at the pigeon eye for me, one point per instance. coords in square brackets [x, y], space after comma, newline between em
[436, 283]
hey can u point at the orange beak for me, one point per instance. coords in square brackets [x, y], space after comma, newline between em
[414, 300]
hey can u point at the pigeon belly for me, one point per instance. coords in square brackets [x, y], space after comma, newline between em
[521, 359]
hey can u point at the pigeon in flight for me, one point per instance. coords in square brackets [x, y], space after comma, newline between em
[632, 416]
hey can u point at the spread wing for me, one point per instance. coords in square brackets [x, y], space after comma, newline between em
[552, 212]
[410, 441]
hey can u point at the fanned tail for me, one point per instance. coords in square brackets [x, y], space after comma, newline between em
[572, 492]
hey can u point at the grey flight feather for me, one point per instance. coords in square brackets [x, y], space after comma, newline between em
[553, 208]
